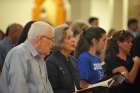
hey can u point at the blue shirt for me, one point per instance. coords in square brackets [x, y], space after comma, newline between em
[6, 45]
[24, 71]
[90, 68]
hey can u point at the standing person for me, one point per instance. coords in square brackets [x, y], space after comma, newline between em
[118, 60]
[61, 66]
[132, 25]
[91, 42]
[24, 70]
[94, 22]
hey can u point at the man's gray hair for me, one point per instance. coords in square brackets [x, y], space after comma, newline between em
[39, 28]
[59, 35]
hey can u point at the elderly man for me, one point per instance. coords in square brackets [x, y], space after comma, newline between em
[24, 69]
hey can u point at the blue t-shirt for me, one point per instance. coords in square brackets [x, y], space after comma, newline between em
[90, 68]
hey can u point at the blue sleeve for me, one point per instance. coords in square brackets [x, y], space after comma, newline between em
[83, 68]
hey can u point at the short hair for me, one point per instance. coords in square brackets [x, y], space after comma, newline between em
[12, 27]
[91, 19]
[59, 35]
[2, 33]
[39, 28]
[132, 21]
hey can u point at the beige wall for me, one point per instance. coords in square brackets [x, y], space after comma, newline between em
[80, 9]
[103, 10]
[15, 11]
[111, 13]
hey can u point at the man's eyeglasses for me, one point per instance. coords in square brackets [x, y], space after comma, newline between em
[50, 38]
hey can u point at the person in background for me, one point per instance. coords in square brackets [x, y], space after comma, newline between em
[91, 42]
[133, 26]
[118, 60]
[94, 22]
[1, 35]
[61, 66]
[111, 32]
[78, 27]
[12, 36]
[24, 70]
[25, 31]
[10, 40]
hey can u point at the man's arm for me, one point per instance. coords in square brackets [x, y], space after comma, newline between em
[17, 72]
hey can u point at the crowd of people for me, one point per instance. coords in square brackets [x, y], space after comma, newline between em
[40, 58]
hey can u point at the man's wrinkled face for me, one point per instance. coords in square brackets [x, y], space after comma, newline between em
[46, 44]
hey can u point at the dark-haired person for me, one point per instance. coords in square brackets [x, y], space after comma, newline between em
[118, 60]
[25, 31]
[94, 22]
[133, 26]
[12, 36]
[1, 35]
[91, 42]
[61, 66]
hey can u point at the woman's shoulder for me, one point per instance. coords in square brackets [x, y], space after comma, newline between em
[84, 55]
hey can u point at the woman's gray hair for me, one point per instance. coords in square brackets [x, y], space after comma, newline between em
[39, 28]
[59, 35]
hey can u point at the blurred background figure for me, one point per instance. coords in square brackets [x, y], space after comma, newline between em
[1, 35]
[78, 27]
[133, 26]
[10, 40]
[111, 33]
[93, 21]
[25, 31]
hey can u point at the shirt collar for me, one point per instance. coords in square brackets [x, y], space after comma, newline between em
[30, 47]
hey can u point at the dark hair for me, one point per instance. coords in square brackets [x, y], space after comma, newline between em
[132, 21]
[91, 19]
[2, 34]
[12, 27]
[86, 39]
[25, 31]
[112, 48]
